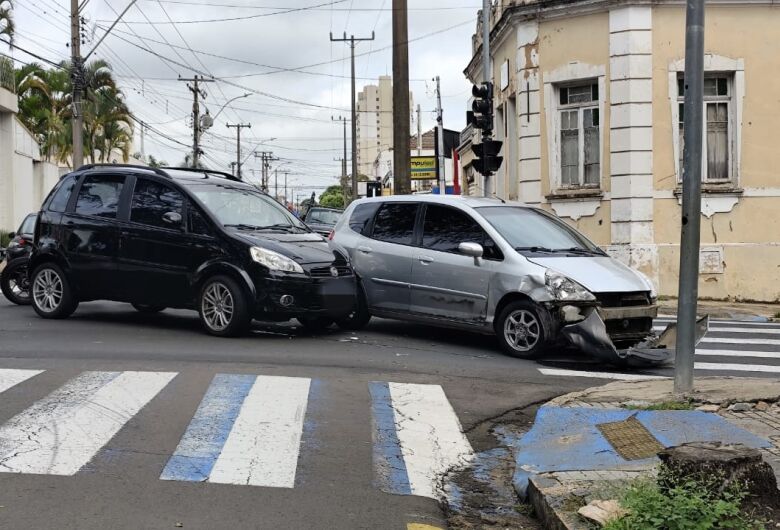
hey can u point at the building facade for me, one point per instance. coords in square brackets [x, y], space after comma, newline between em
[589, 106]
[375, 122]
[25, 178]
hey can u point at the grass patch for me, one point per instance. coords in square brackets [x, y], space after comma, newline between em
[690, 503]
[4, 239]
[665, 405]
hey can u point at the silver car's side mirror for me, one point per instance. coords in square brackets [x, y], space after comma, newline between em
[474, 250]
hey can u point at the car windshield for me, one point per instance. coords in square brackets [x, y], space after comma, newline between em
[532, 230]
[28, 225]
[325, 217]
[244, 208]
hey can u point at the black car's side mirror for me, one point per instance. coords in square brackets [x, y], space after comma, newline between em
[172, 218]
[11, 235]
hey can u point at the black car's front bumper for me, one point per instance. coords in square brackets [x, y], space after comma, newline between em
[282, 297]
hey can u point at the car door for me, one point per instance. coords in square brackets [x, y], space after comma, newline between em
[385, 258]
[445, 282]
[92, 235]
[157, 255]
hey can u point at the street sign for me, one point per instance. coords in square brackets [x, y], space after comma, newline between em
[424, 168]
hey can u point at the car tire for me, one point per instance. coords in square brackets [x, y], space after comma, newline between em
[359, 317]
[14, 282]
[148, 309]
[520, 330]
[223, 307]
[50, 292]
[315, 324]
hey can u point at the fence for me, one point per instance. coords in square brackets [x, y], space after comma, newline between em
[7, 78]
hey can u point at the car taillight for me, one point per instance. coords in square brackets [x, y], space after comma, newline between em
[330, 236]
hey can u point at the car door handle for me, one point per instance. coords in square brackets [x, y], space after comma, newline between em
[425, 260]
[364, 250]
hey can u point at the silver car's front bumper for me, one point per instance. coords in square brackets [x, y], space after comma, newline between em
[590, 336]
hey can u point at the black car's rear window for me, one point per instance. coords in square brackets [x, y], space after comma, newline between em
[59, 200]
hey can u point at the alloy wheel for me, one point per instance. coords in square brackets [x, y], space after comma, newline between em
[522, 330]
[217, 306]
[47, 290]
[19, 284]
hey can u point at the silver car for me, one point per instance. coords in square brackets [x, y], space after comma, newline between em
[499, 267]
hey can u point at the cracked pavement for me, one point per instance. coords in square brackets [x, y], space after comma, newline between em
[335, 485]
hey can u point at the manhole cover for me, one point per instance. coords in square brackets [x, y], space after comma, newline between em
[630, 439]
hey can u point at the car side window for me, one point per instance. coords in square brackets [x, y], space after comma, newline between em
[99, 195]
[362, 215]
[59, 201]
[394, 223]
[152, 200]
[198, 224]
[446, 228]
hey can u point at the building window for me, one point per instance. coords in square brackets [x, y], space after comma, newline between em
[580, 152]
[718, 130]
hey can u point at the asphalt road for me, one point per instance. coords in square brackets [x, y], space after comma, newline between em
[337, 482]
[113, 419]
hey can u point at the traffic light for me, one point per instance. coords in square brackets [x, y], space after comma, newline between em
[481, 114]
[487, 160]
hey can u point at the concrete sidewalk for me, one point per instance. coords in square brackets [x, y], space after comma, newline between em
[584, 445]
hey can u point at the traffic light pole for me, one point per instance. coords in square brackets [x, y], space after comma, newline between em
[440, 140]
[486, 78]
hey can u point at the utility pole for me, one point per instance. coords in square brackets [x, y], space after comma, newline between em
[233, 168]
[419, 131]
[487, 75]
[440, 140]
[238, 127]
[352, 40]
[197, 93]
[77, 74]
[285, 189]
[343, 160]
[402, 179]
[276, 184]
[266, 157]
[691, 199]
[143, 149]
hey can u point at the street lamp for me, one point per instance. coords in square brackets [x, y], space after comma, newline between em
[207, 121]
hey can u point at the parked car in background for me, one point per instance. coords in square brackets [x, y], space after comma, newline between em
[497, 267]
[14, 281]
[322, 220]
[183, 238]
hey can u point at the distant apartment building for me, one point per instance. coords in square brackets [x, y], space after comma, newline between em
[375, 122]
[589, 105]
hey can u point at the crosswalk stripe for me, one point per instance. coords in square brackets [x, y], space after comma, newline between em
[247, 430]
[10, 377]
[762, 331]
[429, 435]
[740, 353]
[597, 375]
[740, 340]
[737, 367]
[62, 432]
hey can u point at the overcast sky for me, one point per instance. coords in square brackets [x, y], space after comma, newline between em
[305, 138]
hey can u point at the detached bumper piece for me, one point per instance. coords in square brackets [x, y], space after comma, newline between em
[590, 335]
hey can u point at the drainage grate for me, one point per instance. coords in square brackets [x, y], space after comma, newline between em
[630, 439]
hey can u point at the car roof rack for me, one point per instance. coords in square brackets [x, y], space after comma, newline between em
[222, 174]
[158, 171]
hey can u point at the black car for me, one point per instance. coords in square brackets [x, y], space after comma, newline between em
[322, 220]
[13, 269]
[184, 238]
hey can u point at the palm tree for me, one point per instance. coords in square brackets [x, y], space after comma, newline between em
[7, 20]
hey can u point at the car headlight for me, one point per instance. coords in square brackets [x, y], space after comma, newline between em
[274, 260]
[566, 289]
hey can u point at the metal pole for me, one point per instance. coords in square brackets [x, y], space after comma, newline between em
[419, 131]
[276, 184]
[285, 188]
[238, 128]
[440, 139]
[691, 205]
[77, 74]
[196, 94]
[143, 149]
[486, 73]
[402, 180]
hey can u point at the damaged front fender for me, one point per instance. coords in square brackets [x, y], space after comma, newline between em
[590, 336]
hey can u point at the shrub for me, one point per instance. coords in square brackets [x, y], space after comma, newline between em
[692, 503]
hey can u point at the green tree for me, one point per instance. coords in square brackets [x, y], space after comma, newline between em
[332, 197]
[154, 162]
